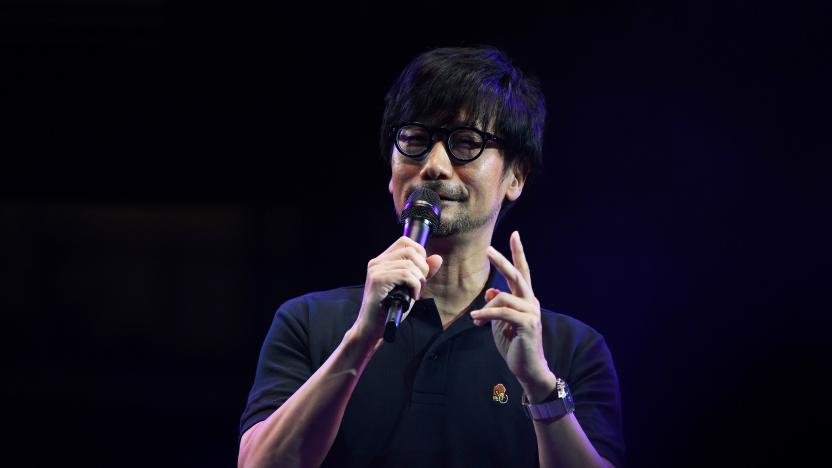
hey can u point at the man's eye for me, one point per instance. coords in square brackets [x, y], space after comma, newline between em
[413, 140]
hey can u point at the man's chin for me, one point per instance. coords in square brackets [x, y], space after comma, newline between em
[445, 229]
[457, 225]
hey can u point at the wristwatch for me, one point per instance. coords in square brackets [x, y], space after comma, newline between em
[555, 406]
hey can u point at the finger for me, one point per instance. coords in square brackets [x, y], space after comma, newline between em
[506, 314]
[491, 293]
[518, 255]
[434, 263]
[513, 302]
[402, 265]
[516, 282]
[402, 276]
[408, 242]
[405, 241]
[412, 255]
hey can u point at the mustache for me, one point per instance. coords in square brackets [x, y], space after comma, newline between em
[445, 190]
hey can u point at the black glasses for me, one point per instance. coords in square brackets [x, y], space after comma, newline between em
[464, 143]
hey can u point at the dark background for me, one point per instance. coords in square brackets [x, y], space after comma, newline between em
[167, 182]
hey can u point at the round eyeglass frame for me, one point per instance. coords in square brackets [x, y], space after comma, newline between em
[433, 132]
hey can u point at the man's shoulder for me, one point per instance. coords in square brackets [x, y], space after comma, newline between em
[573, 347]
[565, 326]
[335, 294]
[342, 298]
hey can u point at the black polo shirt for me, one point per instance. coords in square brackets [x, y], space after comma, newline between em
[434, 397]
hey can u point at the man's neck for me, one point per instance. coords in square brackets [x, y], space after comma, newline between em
[463, 274]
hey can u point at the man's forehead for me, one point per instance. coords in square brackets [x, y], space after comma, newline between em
[458, 119]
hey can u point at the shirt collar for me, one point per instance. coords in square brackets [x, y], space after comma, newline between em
[495, 280]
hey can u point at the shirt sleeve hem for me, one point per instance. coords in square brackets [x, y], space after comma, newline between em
[254, 419]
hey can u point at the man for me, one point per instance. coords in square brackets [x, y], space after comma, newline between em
[479, 374]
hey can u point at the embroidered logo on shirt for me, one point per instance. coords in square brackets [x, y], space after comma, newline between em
[499, 394]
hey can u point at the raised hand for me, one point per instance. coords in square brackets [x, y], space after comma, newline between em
[515, 321]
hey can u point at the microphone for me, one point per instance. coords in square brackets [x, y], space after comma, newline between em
[420, 216]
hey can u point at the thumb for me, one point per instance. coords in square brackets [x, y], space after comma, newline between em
[434, 262]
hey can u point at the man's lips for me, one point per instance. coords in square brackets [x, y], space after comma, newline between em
[447, 197]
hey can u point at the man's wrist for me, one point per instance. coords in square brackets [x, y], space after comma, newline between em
[540, 387]
[357, 345]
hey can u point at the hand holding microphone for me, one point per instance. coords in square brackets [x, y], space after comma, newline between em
[400, 271]
[420, 216]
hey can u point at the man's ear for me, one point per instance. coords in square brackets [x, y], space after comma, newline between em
[516, 181]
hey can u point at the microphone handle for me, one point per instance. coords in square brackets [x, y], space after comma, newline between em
[398, 300]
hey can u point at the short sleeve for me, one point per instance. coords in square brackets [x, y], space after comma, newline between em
[595, 391]
[284, 364]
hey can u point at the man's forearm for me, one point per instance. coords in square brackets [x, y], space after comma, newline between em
[561, 443]
[564, 444]
[301, 432]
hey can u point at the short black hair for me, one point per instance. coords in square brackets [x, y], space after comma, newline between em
[480, 82]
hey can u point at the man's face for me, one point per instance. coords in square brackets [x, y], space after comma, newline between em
[471, 193]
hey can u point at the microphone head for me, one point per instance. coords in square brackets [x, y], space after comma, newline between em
[423, 203]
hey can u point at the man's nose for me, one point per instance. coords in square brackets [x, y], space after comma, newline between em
[437, 163]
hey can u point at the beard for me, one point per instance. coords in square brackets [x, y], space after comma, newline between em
[463, 222]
